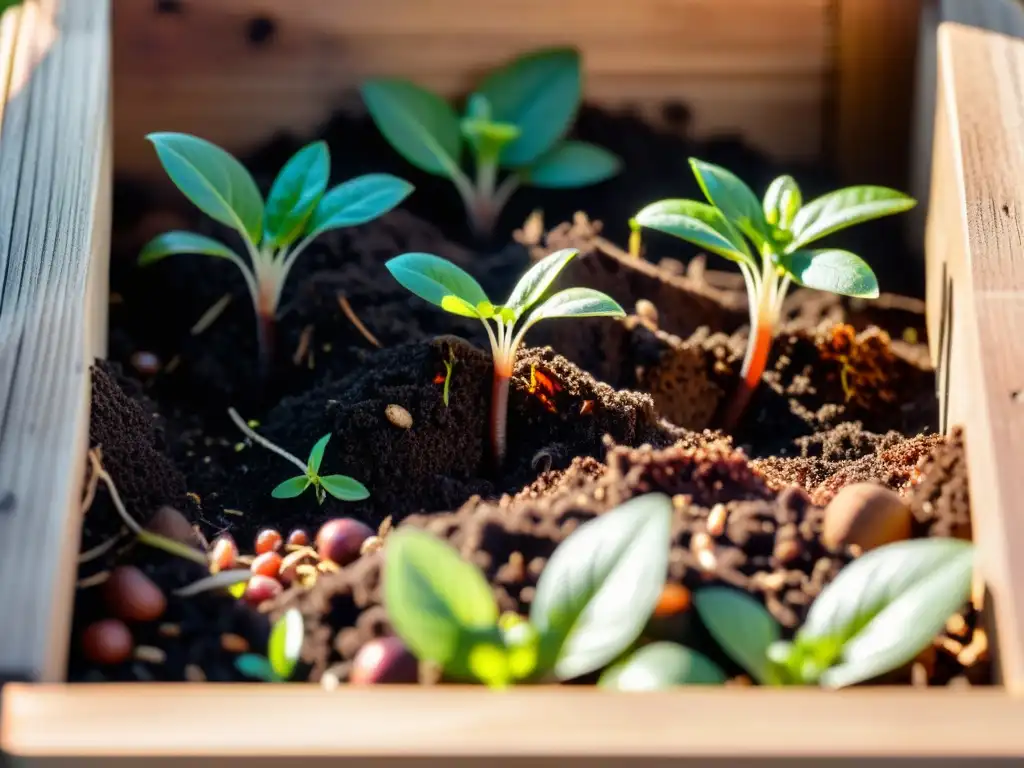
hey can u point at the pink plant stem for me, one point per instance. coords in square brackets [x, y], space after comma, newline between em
[267, 333]
[499, 414]
[751, 376]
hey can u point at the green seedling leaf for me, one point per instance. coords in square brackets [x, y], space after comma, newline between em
[438, 281]
[522, 645]
[576, 302]
[486, 136]
[537, 279]
[291, 487]
[889, 604]
[215, 182]
[733, 198]
[316, 456]
[178, 241]
[844, 208]
[834, 270]
[255, 666]
[573, 164]
[419, 125]
[439, 605]
[295, 193]
[741, 626]
[344, 488]
[539, 93]
[781, 202]
[661, 665]
[697, 223]
[285, 643]
[601, 585]
[358, 201]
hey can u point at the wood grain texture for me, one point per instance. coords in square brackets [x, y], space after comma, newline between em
[150, 720]
[52, 263]
[975, 248]
[198, 71]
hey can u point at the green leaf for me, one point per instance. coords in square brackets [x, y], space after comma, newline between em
[537, 279]
[438, 281]
[844, 208]
[418, 124]
[834, 270]
[733, 198]
[576, 302]
[888, 605]
[344, 488]
[295, 193]
[316, 456]
[781, 202]
[740, 625]
[256, 666]
[661, 665]
[602, 583]
[178, 241]
[439, 605]
[486, 137]
[285, 643]
[573, 164]
[291, 487]
[215, 182]
[358, 201]
[539, 93]
[700, 224]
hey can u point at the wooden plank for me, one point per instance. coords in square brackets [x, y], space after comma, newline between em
[976, 301]
[198, 71]
[526, 723]
[51, 215]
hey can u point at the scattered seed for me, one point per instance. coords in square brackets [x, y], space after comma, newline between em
[210, 316]
[108, 641]
[716, 520]
[398, 416]
[268, 540]
[328, 566]
[306, 574]
[261, 588]
[340, 540]
[194, 673]
[235, 512]
[298, 538]
[252, 423]
[149, 654]
[703, 548]
[787, 550]
[239, 447]
[145, 363]
[267, 564]
[647, 312]
[131, 595]
[287, 571]
[383, 660]
[956, 625]
[974, 651]
[223, 555]
[233, 643]
[169, 630]
[674, 600]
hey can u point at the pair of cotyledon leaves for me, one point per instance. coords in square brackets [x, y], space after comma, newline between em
[341, 487]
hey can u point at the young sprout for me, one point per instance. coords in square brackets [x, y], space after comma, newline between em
[515, 121]
[442, 283]
[341, 487]
[298, 209]
[778, 229]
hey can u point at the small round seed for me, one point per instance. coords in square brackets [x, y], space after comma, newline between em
[267, 540]
[131, 595]
[398, 416]
[223, 554]
[267, 564]
[298, 538]
[340, 540]
[261, 588]
[107, 642]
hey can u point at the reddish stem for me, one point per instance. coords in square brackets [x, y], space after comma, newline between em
[751, 377]
[499, 414]
[266, 327]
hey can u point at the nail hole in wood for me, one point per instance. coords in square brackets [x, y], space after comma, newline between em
[1017, 396]
[1006, 209]
[169, 6]
[261, 30]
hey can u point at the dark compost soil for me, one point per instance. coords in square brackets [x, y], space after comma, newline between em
[599, 411]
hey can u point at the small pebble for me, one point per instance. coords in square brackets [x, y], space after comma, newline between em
[341, 540]
[398, 416]
[647, 312]
[132, 596]
[107, 642]
[867, 516]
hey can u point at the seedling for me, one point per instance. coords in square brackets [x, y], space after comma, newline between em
[298, 209]
[283, 651]
[515, 121]
[779, 228]
[341, 487]
[442, 283]
[593, 599]
[879, 613]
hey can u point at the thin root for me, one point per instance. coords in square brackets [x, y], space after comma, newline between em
[351, 315]
[209, 317]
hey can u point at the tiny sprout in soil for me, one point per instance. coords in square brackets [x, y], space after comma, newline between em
[878, 614]
[283, 651]
[298, 208]
[593, 600]
[442, 283]
[516, 120]
[341, 487]
[780, 228]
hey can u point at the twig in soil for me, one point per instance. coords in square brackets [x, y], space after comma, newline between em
[93, 581]
[90, 489]
[257, 438]
[354, 319]
[99, 550]
[303, 347]
[210, 316]
[222, 580]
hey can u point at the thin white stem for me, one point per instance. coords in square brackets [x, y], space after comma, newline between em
[504, 191]
[486, 176]
[263, 441]
[752, 294]
[780, 297]
[496, 350]
[522, 332]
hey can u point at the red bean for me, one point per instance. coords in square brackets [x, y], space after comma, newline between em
[107, 642]
[267, 564]
[261, 588]
[298, 538]
[131, 595]
[340, 540]
[223, 554]
[384, 660]
[267, 540]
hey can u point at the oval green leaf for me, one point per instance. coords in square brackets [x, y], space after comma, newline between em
[537, 279]
[573, 164]
[844, 208]
[435, 279]
[733, 198]
[178, 241]
[576, 302]
[285, 643]
[782, 201]
[834, 270]
[602, 583]
[539, 93]
[344, 488]
[316, 456]
[419, 125]
[291, 487]
[700, 224]
[439, 605]
[661, 665]
[358, 201]
[255, 666]
[295, 193]
[215, 182]
[741, 626]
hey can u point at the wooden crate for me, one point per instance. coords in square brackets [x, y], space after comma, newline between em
[54, 218]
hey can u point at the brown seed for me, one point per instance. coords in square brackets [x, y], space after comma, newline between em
[131, 595]
[224, 554]
[398, 416]
[867, 516]
[170, 523]
[341, 539]
[675, 599]
[384, 660]
[298, 538]
[107, 642]
[261, 588]
[267, 564]
[267, 540]
[233, 643]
